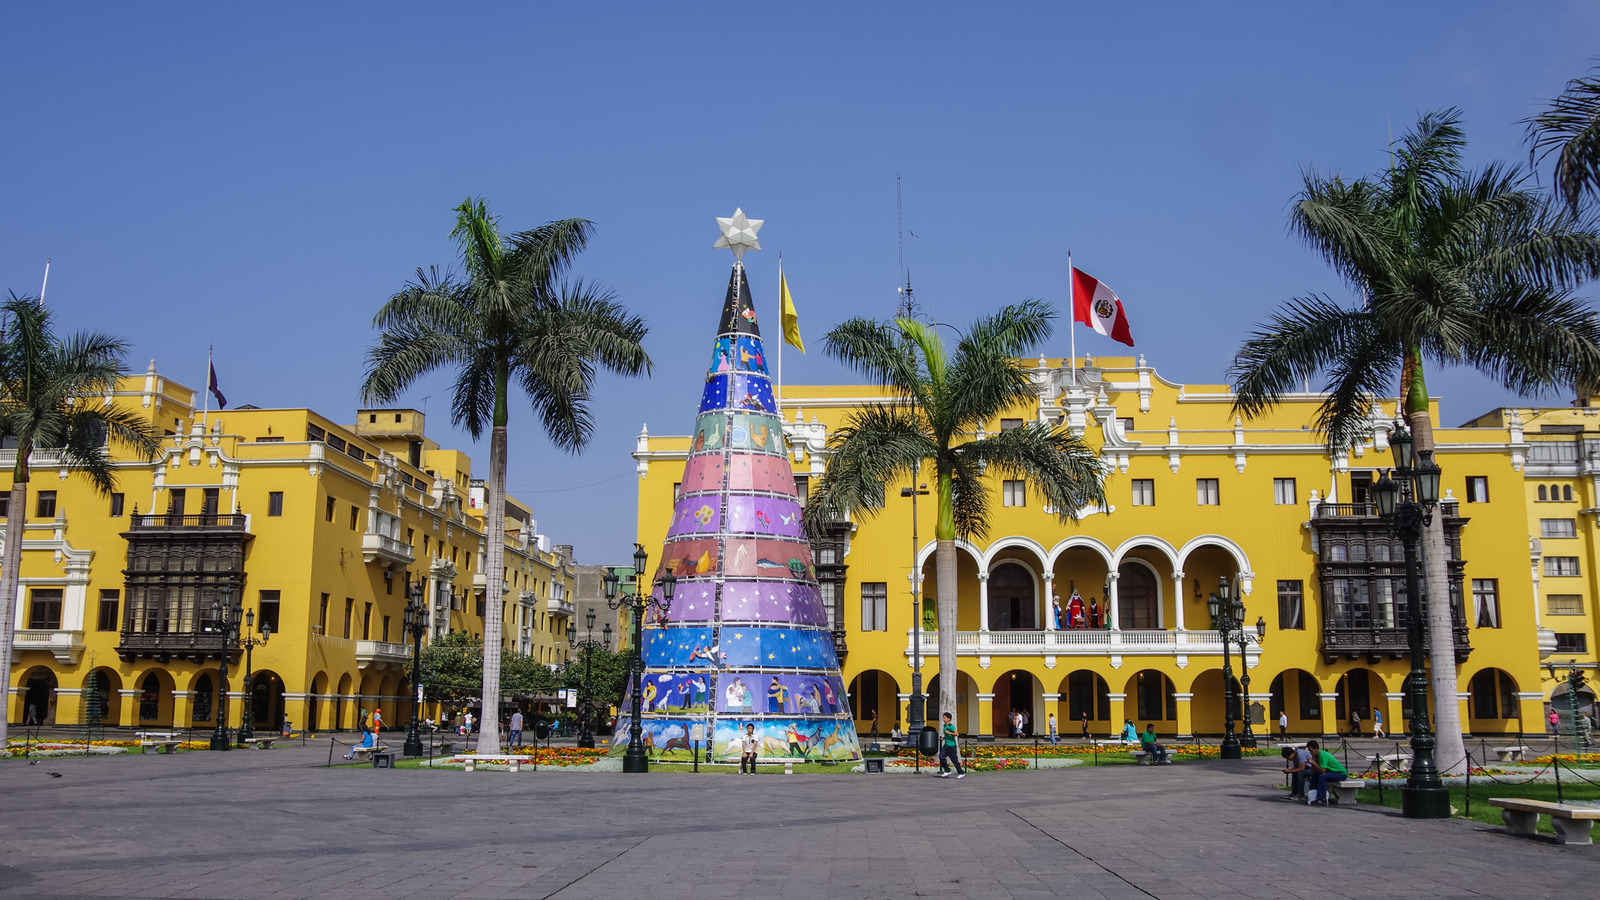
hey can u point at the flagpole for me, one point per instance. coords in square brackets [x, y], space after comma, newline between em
[778, 382]
[205, 414]
[46, 282]
[1072, 304]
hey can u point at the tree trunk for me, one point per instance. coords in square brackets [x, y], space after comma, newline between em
[493, 583]
[10, 564]
[1450, 751]
[944, 573]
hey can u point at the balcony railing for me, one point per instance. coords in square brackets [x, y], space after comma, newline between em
[380, 547]
[1374, 642]
[1450, 508]
[1077, 642]
[381, 653]
[223, 521]
[193, 645]
[66, 645]
[557, 607]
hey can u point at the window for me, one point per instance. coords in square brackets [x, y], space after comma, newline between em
[1008, 424]
[1310, 700]
[386, 629]
[349, 614]
[1015, 492]
[275, 503]
[5, 504]
[109, 603]
[45, 505]
[1486, 602]
[677, 491]
[1291, 605]
[875, 606]
[268, 616]
[1477, 489]
[1572, 643]
[1544, 493]
[209, 501]
[322, 617]
[355, 517]
[269, 440]
[177, 501]
[1564, 604]
[44, 608]
[1125, 425]
[1144, 492]
[1561, 566]
[1566, 493]
[1205, 492]
[366, 623]
[116, 506]
[1283, 491]
[1558, 528]
[802, 488]
[328, 513]
[388, 581]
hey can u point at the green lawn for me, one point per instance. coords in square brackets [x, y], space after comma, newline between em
[1483, 790]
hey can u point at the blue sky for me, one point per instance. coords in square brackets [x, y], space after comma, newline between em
[263, 177]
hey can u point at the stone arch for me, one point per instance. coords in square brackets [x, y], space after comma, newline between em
[1492, 699]
[265, 700]
[966, 712]
[154, 705]
[203, 696]
[1149, 692]
[926, 553]
[37, 699]
[1018, 689]
[1008, 607]
[1015, 542]
[1207, 712]
[317, 702]
[1131, 608]
[343, 703]
[1240, 558]
[877, 690]
[1084, 690]
[102, 697]
[1080, 541]
[1296, 692]
[1140, 541]
[1362, 689]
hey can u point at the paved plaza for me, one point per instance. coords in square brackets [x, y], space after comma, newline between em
[276, 824]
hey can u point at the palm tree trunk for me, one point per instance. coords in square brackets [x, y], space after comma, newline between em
[944, 573]
[16, 514]
[494, 576]
[1450, 751]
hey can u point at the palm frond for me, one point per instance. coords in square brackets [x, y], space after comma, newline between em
[1365, 371]
[878, 445]
[544, 254]
[1570, 128]
[559, 351]
[969, 497]
[1292, 348]
[1538, 340]
[1060, 469]
[876, 350]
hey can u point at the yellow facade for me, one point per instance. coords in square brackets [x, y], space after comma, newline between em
[316, 527]
[1195, 496]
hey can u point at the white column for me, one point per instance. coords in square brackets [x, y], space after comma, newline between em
[983, 601]
[1049, 579]
[1112, 613]
[1177, 599]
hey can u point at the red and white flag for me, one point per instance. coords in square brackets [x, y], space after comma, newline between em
[1096, 306]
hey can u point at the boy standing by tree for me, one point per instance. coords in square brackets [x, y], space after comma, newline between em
[948, 750]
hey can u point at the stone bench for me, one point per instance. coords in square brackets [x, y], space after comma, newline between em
[162, 746]
[1510, 754]
[1345, 791]
[1146, 758]
[1389, 761]
[364, 754]
[513, 761]
[1118, 744]
[262, 743]
[156, 735]
[1572, 823]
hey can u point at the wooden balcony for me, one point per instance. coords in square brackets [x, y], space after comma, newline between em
[165, 646]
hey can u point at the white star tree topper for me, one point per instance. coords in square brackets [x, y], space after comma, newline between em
[739, 234]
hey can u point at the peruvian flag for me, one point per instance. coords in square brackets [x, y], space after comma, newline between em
[1096, 306]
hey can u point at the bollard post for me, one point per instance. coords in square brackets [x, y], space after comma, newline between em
[1556, 761]
[1468, 803]
[1036, 753]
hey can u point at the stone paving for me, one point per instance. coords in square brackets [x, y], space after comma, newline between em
[275, 823]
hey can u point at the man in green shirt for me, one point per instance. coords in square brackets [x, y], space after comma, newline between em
[1328, 769]
[948, 750]
[1147, 741]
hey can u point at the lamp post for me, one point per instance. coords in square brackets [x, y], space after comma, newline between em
[585, 692]
[416, 624]
[1227, 614]
[634, 759]
[224, 618]
[1248, 739]
[916, 713]
[1406, 503]
[1575, 682]
[248, 714]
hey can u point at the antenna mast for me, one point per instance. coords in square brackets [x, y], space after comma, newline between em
[908, 304]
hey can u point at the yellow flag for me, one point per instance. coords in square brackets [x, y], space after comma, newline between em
[791, 321]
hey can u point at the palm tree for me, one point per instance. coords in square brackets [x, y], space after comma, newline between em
[1454, 268]
[1570, 128]
[940, 402]
[52, 394]
[509, 319]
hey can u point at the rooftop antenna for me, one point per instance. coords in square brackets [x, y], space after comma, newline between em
[908, 303]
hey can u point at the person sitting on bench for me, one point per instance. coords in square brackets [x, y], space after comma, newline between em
[1328, 771]
[367, 743]
[1158, 752]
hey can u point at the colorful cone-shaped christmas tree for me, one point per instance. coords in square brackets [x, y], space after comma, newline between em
[746, 640]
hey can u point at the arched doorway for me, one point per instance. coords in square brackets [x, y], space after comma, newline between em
[1013, 598]
[1355, 691]
[1138, 597]
[875, 690]
[1087, 692]
[1296, 692]
[204, 693]
[341, 699]
[1493, 702]
[966, 711]
[1015, 692]
[155, 699]
[315, 707]
[1207, 712]
[39, 698]
[101, 696]
[266, 700]
[1155, 700]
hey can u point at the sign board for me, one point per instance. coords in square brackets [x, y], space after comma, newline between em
[572, 699]
[697, 731]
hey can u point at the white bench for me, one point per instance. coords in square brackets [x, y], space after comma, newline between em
[1146, 758]
[156, 735]
[364, 754]
[513, 761]
[1572, 823]
[162, 746]
[1346, 790]
[1510, 754]
[1117, 744]
[262, 743]
[1389, 761]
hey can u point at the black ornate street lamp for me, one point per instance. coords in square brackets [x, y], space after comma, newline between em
[256, 639]
[916, 713]
[585, 692]
[224, 618]
[1406, 503]
[1227, 617]
[635, 760]
[1248, 739]
[416, 623]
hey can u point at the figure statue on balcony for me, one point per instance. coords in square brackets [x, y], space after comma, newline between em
[1094, 612]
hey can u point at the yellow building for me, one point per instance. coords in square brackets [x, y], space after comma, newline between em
[1195, 496]
[315, 528]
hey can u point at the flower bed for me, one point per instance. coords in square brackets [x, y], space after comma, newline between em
[553, 756]
[1568, 759]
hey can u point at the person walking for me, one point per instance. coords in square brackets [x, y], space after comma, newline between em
[1555, 722]
[515, 738]
[1283, 723]
[1086, 726]
[377, 719]
[1377, 723]
[874, 724]
[948, 753]
[361, 719]
[1053, 736]
[33, 715]
[1355, 722]
[747, 750]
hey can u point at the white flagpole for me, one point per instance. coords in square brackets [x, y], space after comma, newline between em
[1072, 306]
[777, 400]
[46, 282]
[205, 414]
